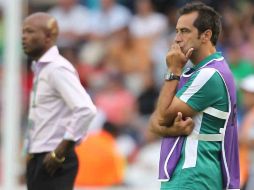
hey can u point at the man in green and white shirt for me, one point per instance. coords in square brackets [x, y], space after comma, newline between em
[206, 159]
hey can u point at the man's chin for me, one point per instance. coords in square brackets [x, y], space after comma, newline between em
[26, 51]
[185, 50]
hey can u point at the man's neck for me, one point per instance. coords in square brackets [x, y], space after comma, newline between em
[37, 57]
[201, 54]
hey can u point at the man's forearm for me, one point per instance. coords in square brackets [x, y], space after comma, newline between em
[64, 148]
[179, 127]
[162, 131]
[167, 94]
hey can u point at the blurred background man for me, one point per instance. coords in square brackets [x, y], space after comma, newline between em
[60, 109]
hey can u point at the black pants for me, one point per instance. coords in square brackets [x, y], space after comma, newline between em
[63, 179]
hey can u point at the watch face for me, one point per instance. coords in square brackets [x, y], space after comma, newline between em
[171, 76]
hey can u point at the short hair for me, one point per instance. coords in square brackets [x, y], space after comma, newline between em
[207, 18]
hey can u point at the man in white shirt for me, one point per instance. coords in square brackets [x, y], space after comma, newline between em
[60, 109]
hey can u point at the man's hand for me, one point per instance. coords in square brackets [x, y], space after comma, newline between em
[28, 158]
[180, 127]
[176, 59]
[184, 126]
[50, 164]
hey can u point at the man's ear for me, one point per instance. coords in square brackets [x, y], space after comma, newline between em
[48, 37]
[206, 35]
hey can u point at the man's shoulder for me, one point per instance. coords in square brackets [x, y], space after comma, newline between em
[204, 81]
[58, 63]
[207, 74]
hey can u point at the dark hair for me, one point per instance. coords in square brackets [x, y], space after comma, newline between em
[207, 18]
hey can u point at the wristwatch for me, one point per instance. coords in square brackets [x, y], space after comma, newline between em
[59, 160]
[170, 76]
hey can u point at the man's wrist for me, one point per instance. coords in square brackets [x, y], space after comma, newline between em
[175, 71]
[64, 148]
[169, 76]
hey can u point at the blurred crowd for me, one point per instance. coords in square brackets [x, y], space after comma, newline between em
[119, 49]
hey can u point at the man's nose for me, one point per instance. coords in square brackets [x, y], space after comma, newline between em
[178, 38]
[23, 37]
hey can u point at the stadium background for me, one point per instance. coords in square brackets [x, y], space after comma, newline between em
[120, 59]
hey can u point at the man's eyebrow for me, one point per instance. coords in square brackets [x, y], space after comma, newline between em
[183, 28]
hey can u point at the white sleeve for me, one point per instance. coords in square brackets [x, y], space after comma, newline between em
[77, 99]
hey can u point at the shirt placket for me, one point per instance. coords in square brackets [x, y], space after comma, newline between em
[35, 87]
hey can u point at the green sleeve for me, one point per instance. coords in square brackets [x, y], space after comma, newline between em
[204, 90]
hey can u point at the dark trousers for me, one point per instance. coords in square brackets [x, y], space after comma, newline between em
[63, 179]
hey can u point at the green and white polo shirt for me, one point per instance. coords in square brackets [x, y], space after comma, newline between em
[204, 92]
